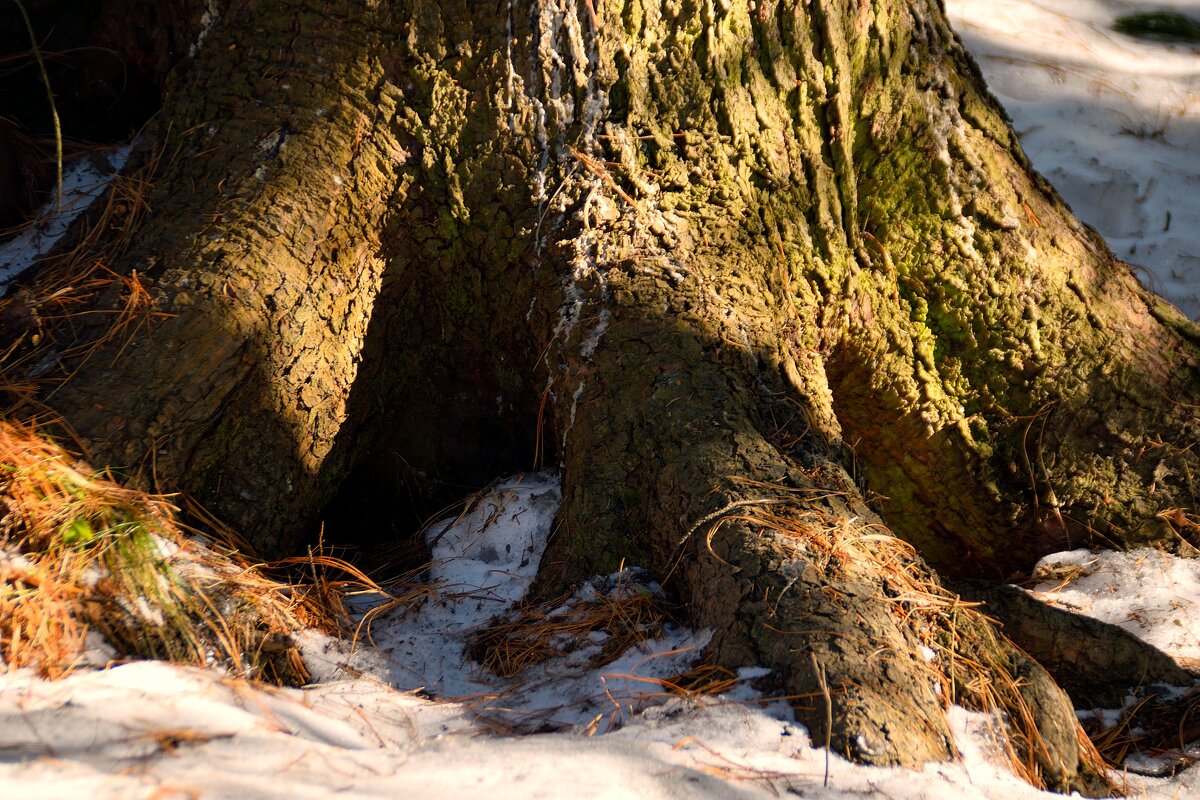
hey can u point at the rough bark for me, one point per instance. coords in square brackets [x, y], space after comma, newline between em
[751, 272]
[282, 164]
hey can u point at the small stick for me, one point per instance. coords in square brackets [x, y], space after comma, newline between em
[58, 142]
[598, 169]
[819, 668]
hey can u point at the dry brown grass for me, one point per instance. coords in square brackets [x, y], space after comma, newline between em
[703, 680]
[627, 616]
[1160, 726]
[74, 295]
[395, 595]
[79, 552]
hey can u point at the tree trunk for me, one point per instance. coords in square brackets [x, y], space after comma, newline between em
[772, 281]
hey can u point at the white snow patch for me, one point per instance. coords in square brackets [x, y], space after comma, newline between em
[483, 563]
[1153, 595]
[156, 730]
[84, 179]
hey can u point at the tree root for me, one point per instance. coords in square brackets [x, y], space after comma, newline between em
[1095, 662]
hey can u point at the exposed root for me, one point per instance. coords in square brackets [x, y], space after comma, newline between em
[1095, 662]
[968, 661]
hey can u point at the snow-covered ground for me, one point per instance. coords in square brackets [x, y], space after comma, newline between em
[150, 730]
[1113, 122]
[1153, 595]
[482, 565]
[153, 730]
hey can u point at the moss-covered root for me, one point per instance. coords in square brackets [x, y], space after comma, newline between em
[776, 553]
[868, 640]
[798, 575]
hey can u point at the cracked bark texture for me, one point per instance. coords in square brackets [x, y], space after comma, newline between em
[772, 281]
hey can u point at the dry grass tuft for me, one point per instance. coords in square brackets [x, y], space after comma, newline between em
[81, 553]
[627, 616]
[1160, 726]
[394, 595]
[703, 680]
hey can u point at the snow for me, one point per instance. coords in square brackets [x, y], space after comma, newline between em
[1153, 595]
[483, 563]
[84, 179]
[152, 730]
[1113, 122]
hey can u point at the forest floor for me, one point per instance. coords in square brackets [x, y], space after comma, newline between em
[407, 710]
